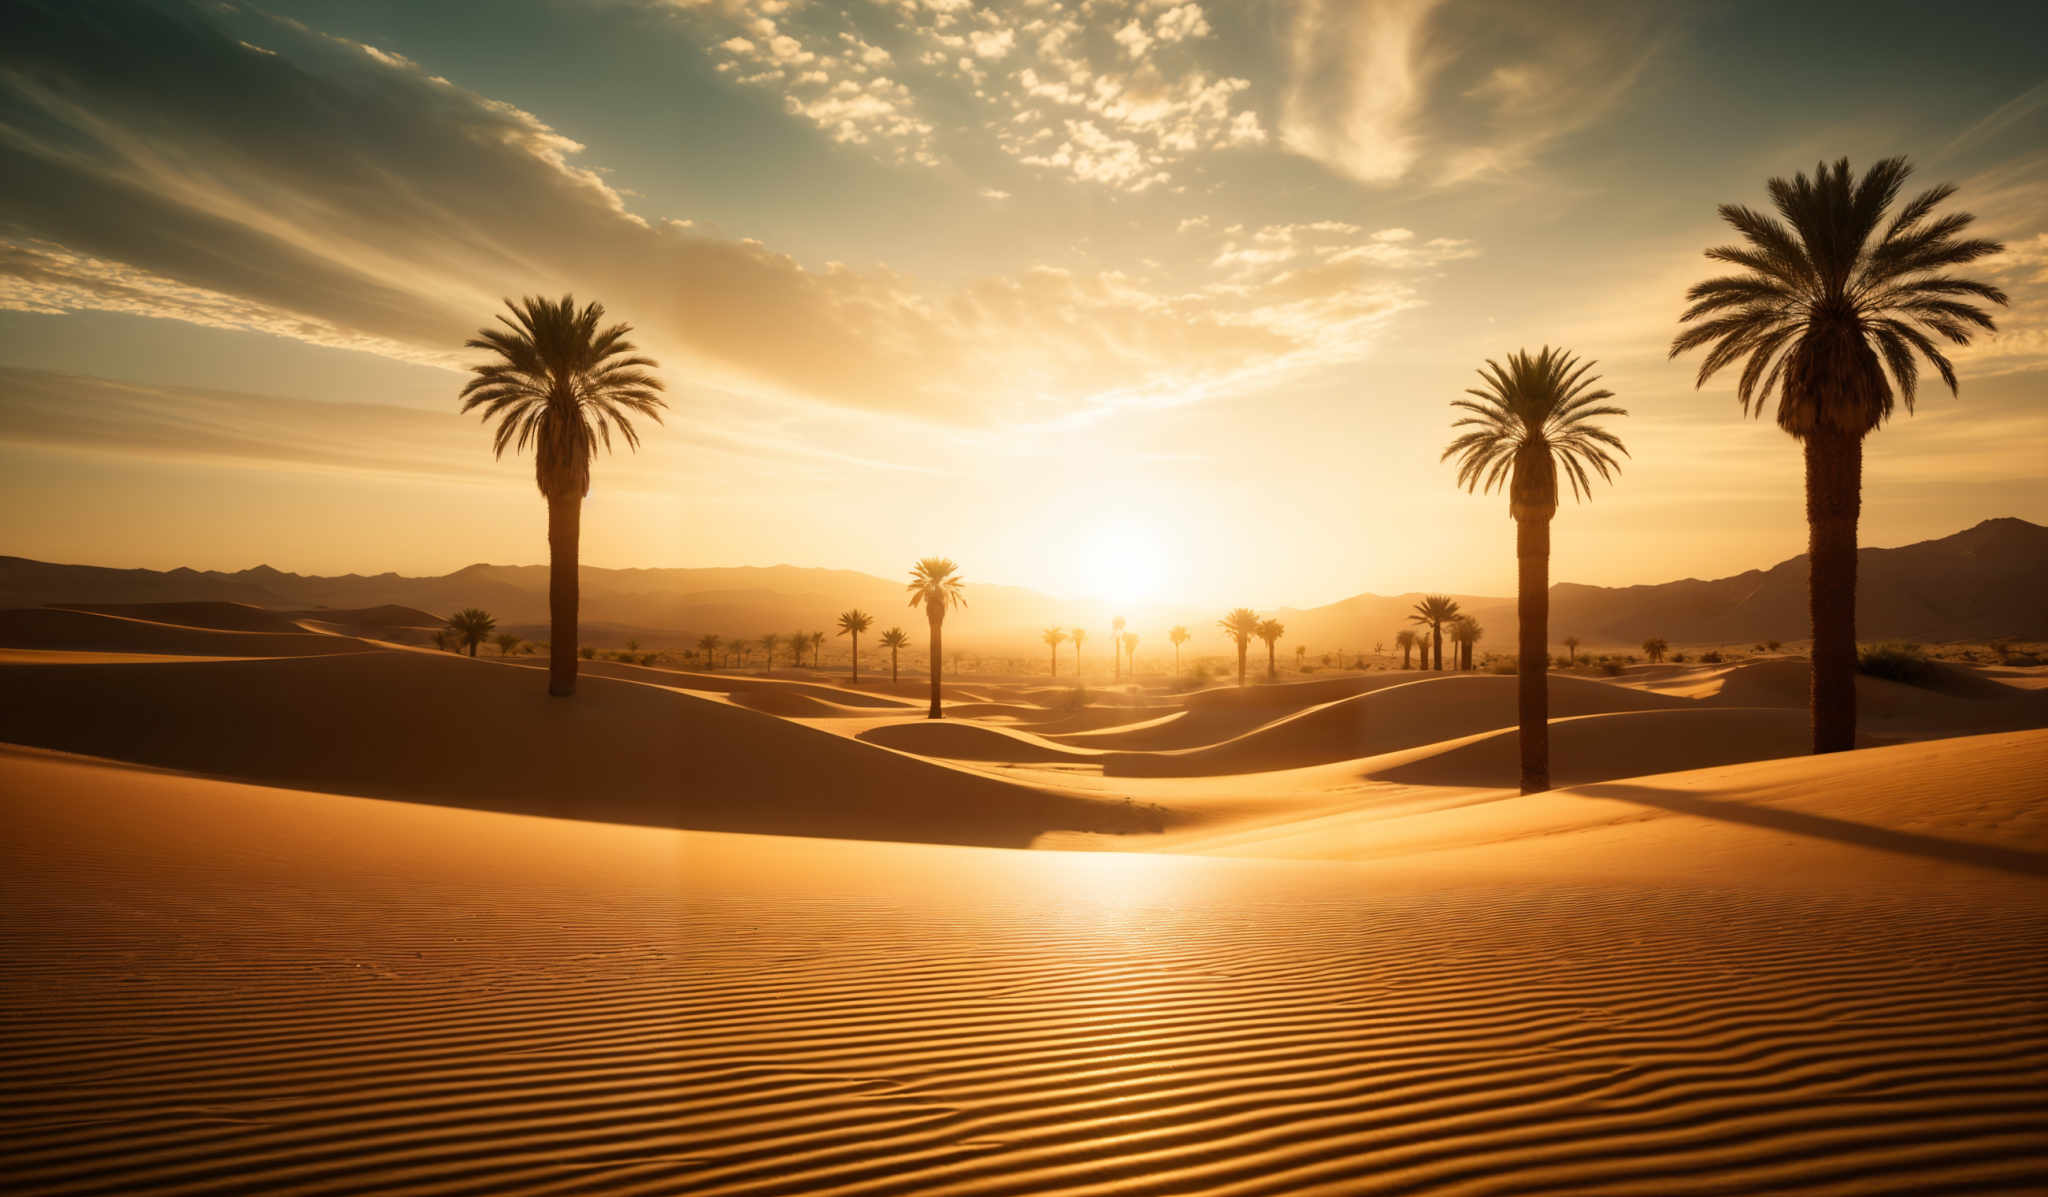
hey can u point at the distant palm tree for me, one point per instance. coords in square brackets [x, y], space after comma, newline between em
[1270, 631]
[768, 643]
[1532, 421]
[708, 645]
[797, 641]
[1116, 638]
[853, 623]
[1054, 637]
[1825, 305]
[1571, 650]
[507, 644]
[740, 649]
[471, 626]
[1655, 648]
[1179, 635]
[935, 582]
[895, 639]
[1465, 632]
[1079, 634]
[817, 650]
[1405, 641]
[1130, 640]
[562, 384]
[1433, 612]
[1242, 624]
[1300, 656]
[632, 646]
[444, 639]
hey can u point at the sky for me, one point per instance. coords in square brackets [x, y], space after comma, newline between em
[1140, 300]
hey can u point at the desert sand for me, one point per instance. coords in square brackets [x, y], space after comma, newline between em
[296, 910]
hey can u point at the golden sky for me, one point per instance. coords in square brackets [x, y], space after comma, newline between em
[1141, 300]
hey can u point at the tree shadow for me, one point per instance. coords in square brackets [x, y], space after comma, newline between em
[2017, 861]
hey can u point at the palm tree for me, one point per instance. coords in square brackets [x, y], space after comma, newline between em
[1433, 612]
[1655, 648]
[1054, 637]
[797, 640]
[1571, 650]
[1130, 640]
[1079, 634]
[853, 623]
[561, 384]
[768, 643]
[1529, 423]
[1116, 636]
[1405, 641]
[1465, 633]
[443, 639]
[935, 582]
[1179, 635]
[507, 644]
[817, 650]
[1825, 305]
[1242, 624]
[471, 626]
[895, 639]
[1300, 656]
[1270, 631]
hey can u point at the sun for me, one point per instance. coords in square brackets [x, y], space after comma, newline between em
[1123, 560]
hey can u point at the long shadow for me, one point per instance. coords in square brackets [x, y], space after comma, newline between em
[1842, 831]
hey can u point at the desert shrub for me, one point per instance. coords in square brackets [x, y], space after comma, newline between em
[1072, 700]
[588, 653]
[1611, 668]
[1896, 663]
[1678, 658]
[647, 658]
[1711, 657]
[1310, 668]
[1504, 665]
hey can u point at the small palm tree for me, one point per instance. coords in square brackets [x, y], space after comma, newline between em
[1405, 641]
[1654, 648]
[1179, 635]
[1054, 637]
[853, 623]
[444, 639]
[1079, 635]
[935, 583]
[1116, 639]
[1270, 631]
[768, 643]
[1571, 650]
[1241, 624]
[1130, 640]
[1300, 656]
[1465, 633]
[797, 640]
[1532, 421]
[1433, 612]
[895, 639]
[562, 384]
[471, 627]
[632, 646]
[817, 650]
[1825, 305]
[507, 644]
[708, 645]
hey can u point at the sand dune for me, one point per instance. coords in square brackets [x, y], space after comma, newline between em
[960, 741]
[1627, 744]
[212, 987]
[84, 631]
[224, 617]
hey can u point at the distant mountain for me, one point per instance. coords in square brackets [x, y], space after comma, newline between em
[1991, 580]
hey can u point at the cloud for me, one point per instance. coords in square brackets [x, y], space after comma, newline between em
[156, 165]
[1387, 89]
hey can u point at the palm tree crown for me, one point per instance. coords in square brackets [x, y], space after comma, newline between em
[1531, 419]
[854, 622]
[935, 585]
[472, 626]
[1823, 297]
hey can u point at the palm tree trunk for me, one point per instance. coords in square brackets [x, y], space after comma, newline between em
[1532, 608]
[565, 537]
[892, 669]
[1272, 670]
[1241, 646]
[1055, 660]
[856, 658]
[937, 618]
[1834, 497]
[1176, 662]
[1436, 640]
[472, 648]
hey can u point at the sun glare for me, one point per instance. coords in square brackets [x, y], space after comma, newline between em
[1123, 561]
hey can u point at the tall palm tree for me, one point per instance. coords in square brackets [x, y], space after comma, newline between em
[935, 583]
[472, 626]
[1405, 641]
[1054, 637]
[1079, 634]
[708, 645]
[768, 643]
[507, 644]
[1270, 631]
[1179, 635]
[817, 650]
[1828, 300]
[561, 383]
[1116, 638]
[1242, 624]
[895, 639]
[797, 640]
[1532, 421]
[1433, 612]
[853, 623]
[1130, 640]
[1571, 650]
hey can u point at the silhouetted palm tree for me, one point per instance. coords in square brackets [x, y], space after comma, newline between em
[894, 640]
[1116, 639]
[853, 623]
[472, 626]
[1825, 306]
[444, 639]
[1405, 641]
[1530, 422]
[708, 645]
[1241, 624]
[1179, 635]
[1270, 631]
[507, 644]
[768, 643]
[1571, 650]
[935, 583]
[1465, 633]
[1655, 648]
[817, 650]
[1079, 634]
[1433, 612]
[1130, 640]
[1054, 637]
[797, 641]
[562, 384]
